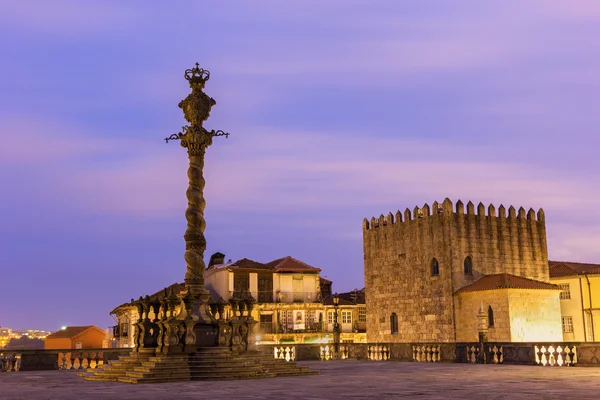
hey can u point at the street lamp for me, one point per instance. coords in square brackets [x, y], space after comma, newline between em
[482, 329]
[336, 325]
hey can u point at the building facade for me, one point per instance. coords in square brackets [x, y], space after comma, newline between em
[77, 337]
[579, 299]
[428, 273]
[294, 303]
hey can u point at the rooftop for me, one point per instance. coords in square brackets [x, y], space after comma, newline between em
[68, 332]
[506, 281]
[567, 268]
[284, 264]
[349, 298]
[290, 264]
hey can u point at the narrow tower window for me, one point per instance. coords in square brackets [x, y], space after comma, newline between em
[490, 317]
[394, 323]
[435, 267]
[468, 266]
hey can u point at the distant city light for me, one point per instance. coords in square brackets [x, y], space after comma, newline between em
[63, 328]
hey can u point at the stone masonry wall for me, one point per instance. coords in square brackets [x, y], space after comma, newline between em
[398, 251]
[535, 315]
[467, 308]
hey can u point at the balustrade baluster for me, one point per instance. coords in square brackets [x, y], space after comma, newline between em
[476, 352]
[547, 355]
[553, 356]
[572, 355]
[561, 359]
[539, 354]
[492, 354]
[97, 359]
[82, 358]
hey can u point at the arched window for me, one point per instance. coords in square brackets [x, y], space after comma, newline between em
[468, 264]
[394, 323]
[435, 267]
[490, 317]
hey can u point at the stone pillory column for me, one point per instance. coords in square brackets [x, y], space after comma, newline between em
[196, 109]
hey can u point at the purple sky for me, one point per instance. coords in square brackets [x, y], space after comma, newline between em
[338, 110]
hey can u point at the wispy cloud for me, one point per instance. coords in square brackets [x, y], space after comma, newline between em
[71, 18]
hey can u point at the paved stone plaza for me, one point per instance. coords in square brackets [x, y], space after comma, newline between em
[338, 379]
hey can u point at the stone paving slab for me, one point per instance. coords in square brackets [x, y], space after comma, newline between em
[338, 380]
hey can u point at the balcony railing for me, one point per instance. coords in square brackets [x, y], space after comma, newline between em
[274, 328]
[282, 297]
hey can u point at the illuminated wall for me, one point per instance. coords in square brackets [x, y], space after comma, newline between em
[467, 308]
[520, 315]
[534, 315]
[579, 304]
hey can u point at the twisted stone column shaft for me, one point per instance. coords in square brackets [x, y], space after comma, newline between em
[195, 242]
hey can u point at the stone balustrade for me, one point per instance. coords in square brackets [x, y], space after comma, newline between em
[542, 354]
[379, 352]
[287, 353]
[66, 359]
[556, 355]
[426, 352]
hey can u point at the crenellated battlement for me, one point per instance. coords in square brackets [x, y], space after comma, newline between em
[446, 208]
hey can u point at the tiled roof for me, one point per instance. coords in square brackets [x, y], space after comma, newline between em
[347, 298]
[247, 263]
[290, 264]
[565, 268]
[69, 332]
[505, 281]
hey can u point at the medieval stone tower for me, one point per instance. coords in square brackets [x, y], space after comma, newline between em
[415, 262]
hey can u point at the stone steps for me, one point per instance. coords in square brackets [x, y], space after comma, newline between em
[206, 364]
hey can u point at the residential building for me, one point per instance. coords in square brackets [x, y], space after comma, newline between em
[352, 316]
[579, 299]
[77, 337]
